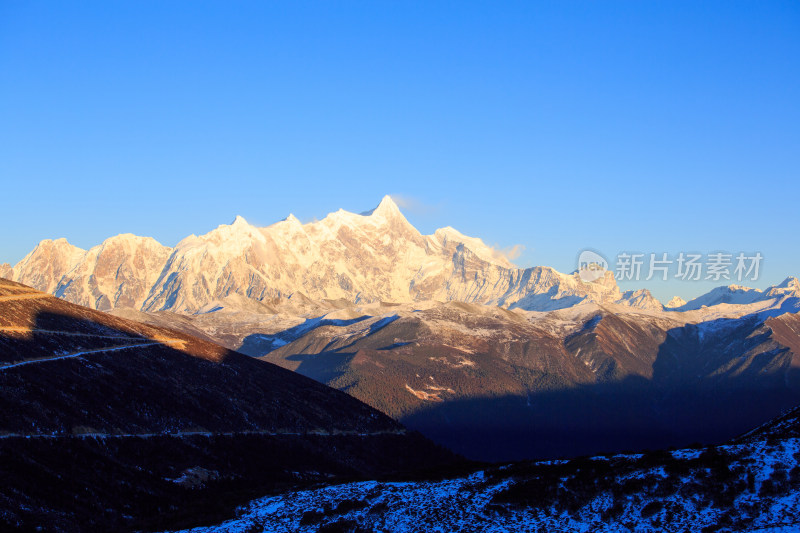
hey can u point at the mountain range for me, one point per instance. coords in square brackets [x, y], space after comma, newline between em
[445, 334]
[374, 256]
[369, 257]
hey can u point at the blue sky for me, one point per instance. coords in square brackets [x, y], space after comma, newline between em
[638, 126]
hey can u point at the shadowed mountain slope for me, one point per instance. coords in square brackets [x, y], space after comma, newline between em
[500, 385]
[110, 424]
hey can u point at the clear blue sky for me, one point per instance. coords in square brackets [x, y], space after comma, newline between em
[648, 126]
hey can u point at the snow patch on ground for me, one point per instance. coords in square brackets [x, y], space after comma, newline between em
[466, 503]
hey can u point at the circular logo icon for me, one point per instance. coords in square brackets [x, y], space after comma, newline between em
[591, 266]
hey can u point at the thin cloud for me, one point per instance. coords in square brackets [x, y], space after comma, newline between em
[509, 253]
[414, 205]
[512, 252]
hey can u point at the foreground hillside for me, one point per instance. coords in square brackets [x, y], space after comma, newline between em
[751, 484]
[108, 424]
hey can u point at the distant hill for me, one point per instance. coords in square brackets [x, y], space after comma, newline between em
[499, 385]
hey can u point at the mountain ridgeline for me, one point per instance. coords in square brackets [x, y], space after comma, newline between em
[369, 257]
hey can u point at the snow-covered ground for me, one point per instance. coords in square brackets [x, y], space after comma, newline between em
[683, 490]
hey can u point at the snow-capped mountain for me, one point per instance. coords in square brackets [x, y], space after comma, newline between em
[369, 257]
[739, 295]
[47, 264]
[676, 301]
[117, 273]
[374, 256]
[641, 299]
[788, 287]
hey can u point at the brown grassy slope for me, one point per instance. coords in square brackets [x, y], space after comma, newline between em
[101, 418]
[173, 382]
[494, 388]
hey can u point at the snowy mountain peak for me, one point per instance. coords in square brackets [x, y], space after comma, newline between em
[6, 271]
[129, 239]
[385, 219]
[291, 219]
[449, 235]
[739, 288]
[739, 295]
[449, 232]
[387, 208]
[60, 247]
[640, 299]
[675, 302]
[789, 287]
[47, 263]
[233, 235]
[61, 242]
